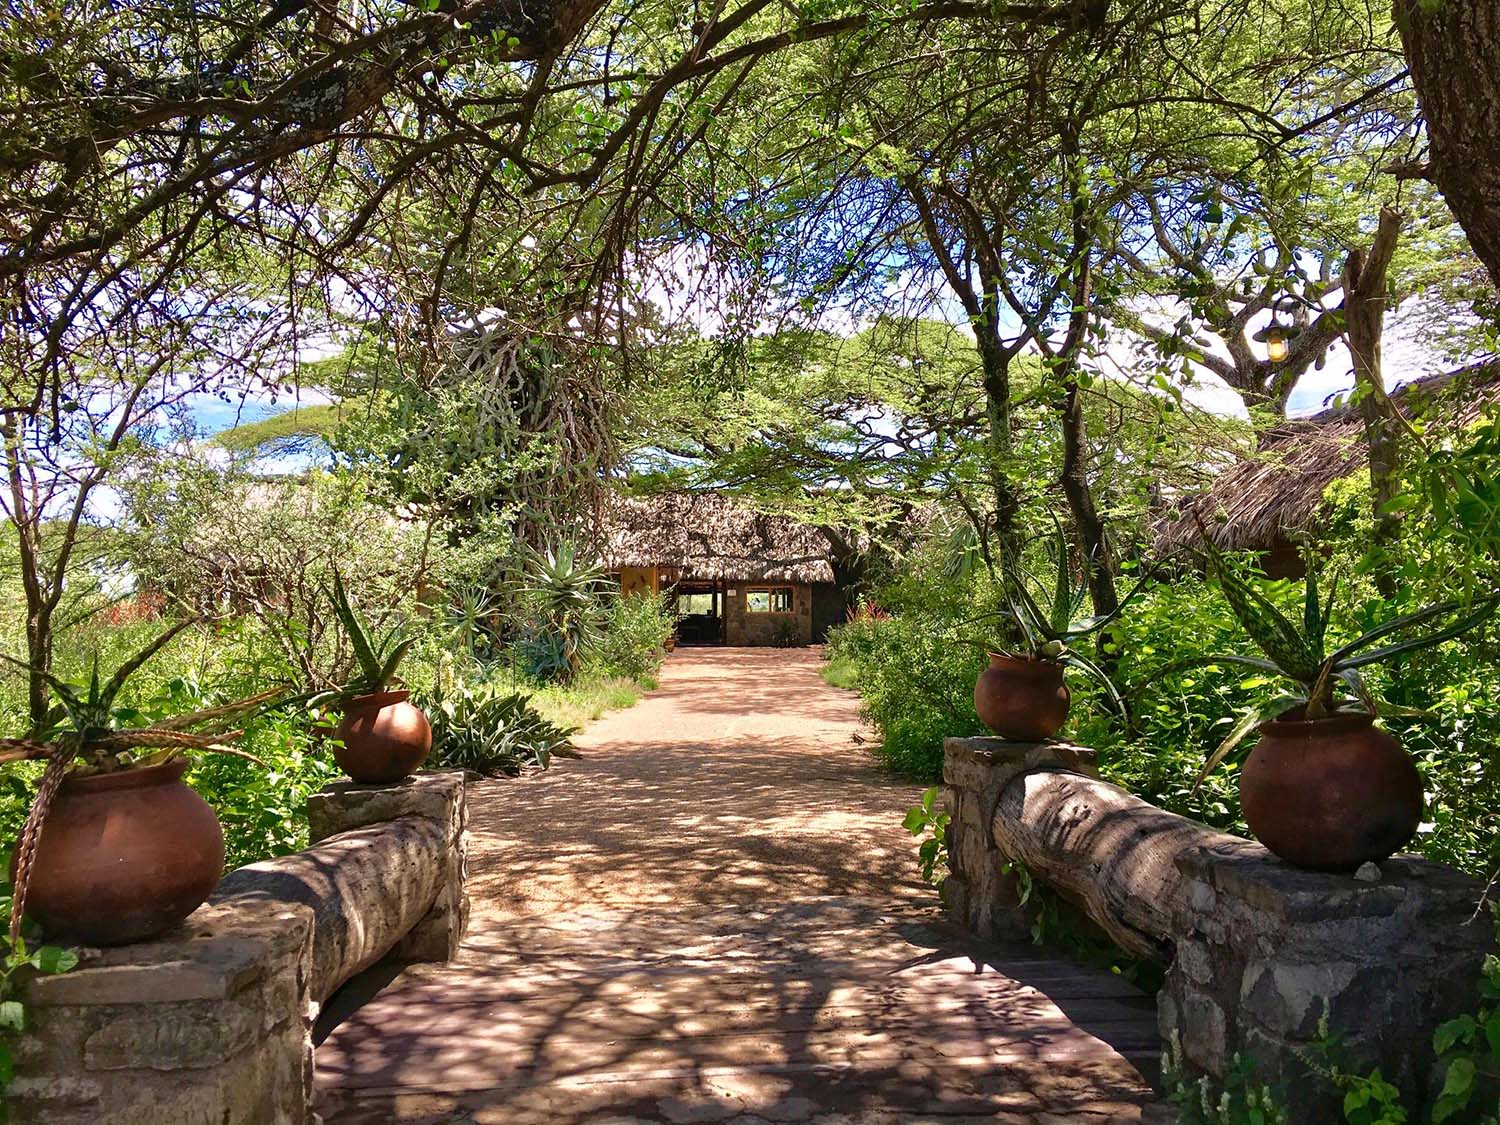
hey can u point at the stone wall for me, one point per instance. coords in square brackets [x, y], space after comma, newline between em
[741, 627]
[1260, 956]
[211, 1022]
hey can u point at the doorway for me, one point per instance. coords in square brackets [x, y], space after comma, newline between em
[700, 613]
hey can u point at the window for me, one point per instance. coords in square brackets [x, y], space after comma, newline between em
[776, 599]
[695, 603]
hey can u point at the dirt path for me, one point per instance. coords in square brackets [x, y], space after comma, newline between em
[717, 916]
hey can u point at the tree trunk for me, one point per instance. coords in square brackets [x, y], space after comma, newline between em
[1102, 848]
[1364, 321]
[996, 367]
[1098, 560]
[27, 524]
[1453, 50]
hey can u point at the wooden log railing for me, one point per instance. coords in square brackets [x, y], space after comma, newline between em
[1262, 958]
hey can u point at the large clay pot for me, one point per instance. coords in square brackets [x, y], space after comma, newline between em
[1022, 700]
[1331, 793]
[124, 856]
[381, 738]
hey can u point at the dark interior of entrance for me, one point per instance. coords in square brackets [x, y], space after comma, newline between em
[700, 610]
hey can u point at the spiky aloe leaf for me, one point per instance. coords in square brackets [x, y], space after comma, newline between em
[1081, 629]
[1093, 670]
[359, 637]
[1415, 644]
[1207, 661]
[1484, 607]
[1268, 627]
[1062, 588]
[393, 661]
[111, 689]
[1242, 726]
[1311, 610]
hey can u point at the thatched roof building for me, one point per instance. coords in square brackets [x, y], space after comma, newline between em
[734, 575]
[705, 535]
[1268, 501]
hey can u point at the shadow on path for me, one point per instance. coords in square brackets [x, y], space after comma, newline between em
[716, 915]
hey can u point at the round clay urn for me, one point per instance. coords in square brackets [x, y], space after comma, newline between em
[123, 856]
[381, 738]
[1022, 700]
[1331, 793]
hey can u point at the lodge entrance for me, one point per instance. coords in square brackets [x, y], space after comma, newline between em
[700, 613]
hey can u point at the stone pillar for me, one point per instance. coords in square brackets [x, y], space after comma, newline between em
[436, 796]
[1266, 952]
[979, 894]
[212, 1021]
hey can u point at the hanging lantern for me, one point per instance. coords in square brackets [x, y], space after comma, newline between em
[1278, 335]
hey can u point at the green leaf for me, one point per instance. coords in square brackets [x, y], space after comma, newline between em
[915, 821]
[1454, 1031]
[12, 1015]
[54, 959]
[1459, 1081]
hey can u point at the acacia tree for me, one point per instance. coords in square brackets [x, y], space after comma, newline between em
[127, 389]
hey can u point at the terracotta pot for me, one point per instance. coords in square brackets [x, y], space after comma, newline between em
[124, 856]
[1022, 700]
[384, 738]
[1330, 793]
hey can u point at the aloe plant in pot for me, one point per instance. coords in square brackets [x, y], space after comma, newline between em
[1324, 787]
[381, 737]
[1023, 695]
[117, 847]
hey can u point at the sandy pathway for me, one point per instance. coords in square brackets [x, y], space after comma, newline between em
[714, 916]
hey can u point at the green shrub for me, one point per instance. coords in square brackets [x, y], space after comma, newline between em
[632, 636]
[263, 808]
[489, 730]
[916, 680]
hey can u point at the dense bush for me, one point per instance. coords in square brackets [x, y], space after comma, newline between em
[915, 672]
[633, 632]
[916, 681]
[487, 729]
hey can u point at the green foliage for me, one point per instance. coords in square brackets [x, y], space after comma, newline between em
[1468, 1050]
[263, 805]
[20, 959]
[632, 636]
[841, 672]
[486, 729]
[930, 823]
[1242, 1099]
[916, 686]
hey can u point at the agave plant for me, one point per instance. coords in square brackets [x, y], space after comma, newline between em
[1327, 680]
[378, 657]
[1055, 632]
[490, 731]
[565, 592]
[467, 618]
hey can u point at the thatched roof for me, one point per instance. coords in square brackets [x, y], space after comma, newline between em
[709, 536]
[1277, 493]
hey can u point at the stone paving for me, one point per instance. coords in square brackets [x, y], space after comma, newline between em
[716, 916]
